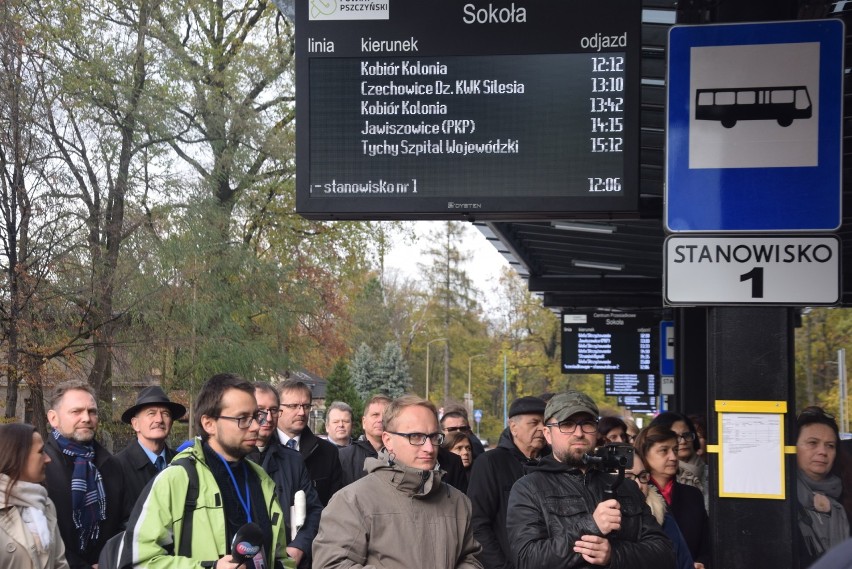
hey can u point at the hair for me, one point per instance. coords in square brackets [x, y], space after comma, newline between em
[70, 385]
[16, 442]
[648, 437]
[209, 400]
[266, 387]
[669, 418]
[454, 438]
[454, 415]
[377, 398]
[295, 385]
[454, 410]
[340, 406]
[398, 405]
[606, 424]
[700, 423]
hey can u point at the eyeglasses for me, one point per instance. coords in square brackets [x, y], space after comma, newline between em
[419, 439]
[293, 406]
[644, 477]
[568, 427]
[687, 436]
[245, 422]
[463, 429]
[272, 412]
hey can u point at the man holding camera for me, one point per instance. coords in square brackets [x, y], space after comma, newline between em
[560, 514]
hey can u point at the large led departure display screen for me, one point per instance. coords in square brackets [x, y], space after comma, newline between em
[444, 109]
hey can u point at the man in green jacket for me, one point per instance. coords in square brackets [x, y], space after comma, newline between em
[232, 491]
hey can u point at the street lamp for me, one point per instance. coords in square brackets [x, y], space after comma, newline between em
[469, 394]
[427, 362]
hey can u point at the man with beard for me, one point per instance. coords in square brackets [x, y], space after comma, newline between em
[81, 479]
[232, 491]
[560, 515]
[521, 444]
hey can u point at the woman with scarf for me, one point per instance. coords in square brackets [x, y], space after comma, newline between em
[822, 519]
[29, 536]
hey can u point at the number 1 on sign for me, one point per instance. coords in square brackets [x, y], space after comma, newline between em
[756, 277]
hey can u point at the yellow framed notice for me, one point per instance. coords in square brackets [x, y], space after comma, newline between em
[751, 449]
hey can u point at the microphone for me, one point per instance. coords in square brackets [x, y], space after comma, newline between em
[247, 543]
[298, 511]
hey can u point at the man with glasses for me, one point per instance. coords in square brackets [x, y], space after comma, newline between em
[232, 491]
[560, 514]
[288, 471]
[455, 419]
[521, 445]
[320, 456]
[401, 514]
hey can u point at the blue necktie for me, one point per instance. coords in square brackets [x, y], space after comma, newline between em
[160, 463]
[291, 444]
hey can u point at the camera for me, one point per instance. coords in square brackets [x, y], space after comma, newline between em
[611, 456]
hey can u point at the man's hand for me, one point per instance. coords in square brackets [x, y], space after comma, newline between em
[227, 562]
[296, 554]
[594, 549]
[699, 565]
[607, 516]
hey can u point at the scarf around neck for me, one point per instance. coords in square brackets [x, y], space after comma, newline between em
[88, 499]
[32, 500]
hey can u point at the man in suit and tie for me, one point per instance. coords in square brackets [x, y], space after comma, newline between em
[151, 417]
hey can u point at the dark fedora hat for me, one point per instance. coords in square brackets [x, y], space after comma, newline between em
[153, 395]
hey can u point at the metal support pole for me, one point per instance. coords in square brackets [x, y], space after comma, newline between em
[841, 378]
[505, 393]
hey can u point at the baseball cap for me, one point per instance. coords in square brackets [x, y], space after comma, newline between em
[568, 403]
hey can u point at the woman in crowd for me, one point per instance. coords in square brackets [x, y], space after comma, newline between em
[656, 446]
[640, 475]
[692, 470]
[612, 430]
[29, 536]
[822, 519]
[457, 443]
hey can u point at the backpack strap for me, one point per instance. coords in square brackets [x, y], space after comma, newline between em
[188, 463]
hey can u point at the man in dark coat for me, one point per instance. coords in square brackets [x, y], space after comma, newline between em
[369, 444]
[521, 444]
[89, 513]
[563, 513]
[320, 456]
[287, 469]
[152, 418]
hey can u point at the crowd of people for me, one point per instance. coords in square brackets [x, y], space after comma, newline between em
[416, 490]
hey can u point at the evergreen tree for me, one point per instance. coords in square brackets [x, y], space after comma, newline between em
[364, 373]
[395, 380]
[341, 388]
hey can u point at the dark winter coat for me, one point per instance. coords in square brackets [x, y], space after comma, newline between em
[687, 507]
[551, 508]
[58, 483]
[136, 471]
[352, 459]
[323, 463]
[491, 480]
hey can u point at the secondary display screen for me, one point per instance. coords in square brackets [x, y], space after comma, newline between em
[609, 342]
[439, 110]
[630, 384]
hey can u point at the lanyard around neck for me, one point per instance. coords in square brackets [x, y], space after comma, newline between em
[245, 503]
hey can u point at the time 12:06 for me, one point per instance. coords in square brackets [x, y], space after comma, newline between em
[604, 184]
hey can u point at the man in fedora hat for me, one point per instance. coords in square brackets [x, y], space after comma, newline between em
[151, 417]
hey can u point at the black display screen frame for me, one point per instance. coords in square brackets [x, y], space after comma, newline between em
[488, 186]
[619, 336]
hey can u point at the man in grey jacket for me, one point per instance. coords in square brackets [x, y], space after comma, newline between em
[401, 514]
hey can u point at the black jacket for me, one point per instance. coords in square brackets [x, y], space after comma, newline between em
[136, 471]
[687, 507]
[491, 479]
[352, 459]
[58, 483]
[287, 469]
[323, 464]
[552, 506]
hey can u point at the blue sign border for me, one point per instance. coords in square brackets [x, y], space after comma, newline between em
[755, 199]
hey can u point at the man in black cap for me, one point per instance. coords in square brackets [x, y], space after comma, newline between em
[566, 513]
[521, 444]
[151, 417]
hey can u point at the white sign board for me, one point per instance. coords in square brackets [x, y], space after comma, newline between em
[740, 269]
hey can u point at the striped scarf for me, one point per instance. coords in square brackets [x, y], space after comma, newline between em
[88, 500]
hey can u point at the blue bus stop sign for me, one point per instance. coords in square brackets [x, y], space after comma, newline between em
[477, 415]
[754, 127]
